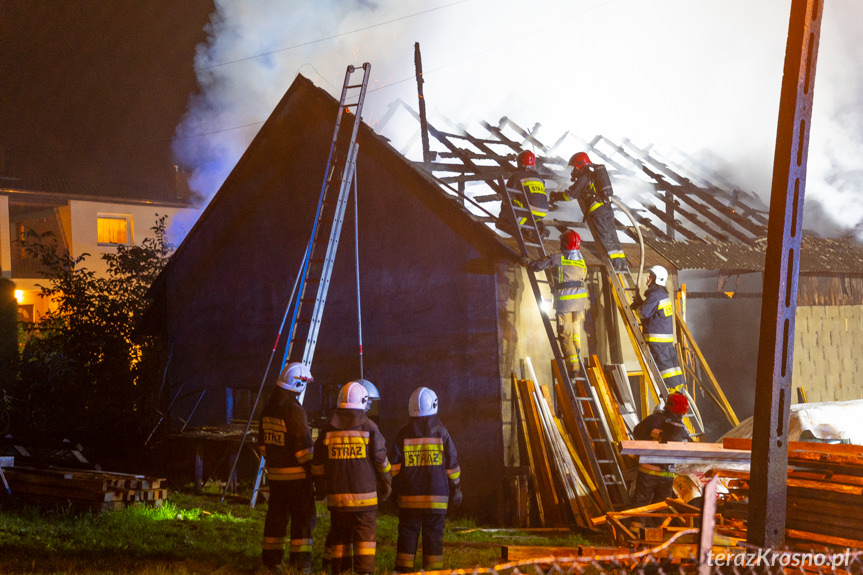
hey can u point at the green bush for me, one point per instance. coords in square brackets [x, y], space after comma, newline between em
[85, 373]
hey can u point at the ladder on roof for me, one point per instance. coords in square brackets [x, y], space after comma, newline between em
[623, 290]
[317, 266]
[596, 447]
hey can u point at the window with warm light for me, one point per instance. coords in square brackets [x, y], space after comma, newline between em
[114, 230]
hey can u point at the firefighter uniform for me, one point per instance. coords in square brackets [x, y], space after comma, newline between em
[592, 188]
[350, 461]
[655, 483]
[570, 301]
[657, 323]
[285, 441]
[425, 465]
[528, 181]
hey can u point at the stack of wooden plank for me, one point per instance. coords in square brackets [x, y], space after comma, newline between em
[84, 490]
[824, 501]
[565, 491]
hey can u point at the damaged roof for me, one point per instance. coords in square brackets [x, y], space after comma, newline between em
[817, 255]
[688, 215]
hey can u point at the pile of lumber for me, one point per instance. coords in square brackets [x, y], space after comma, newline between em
[84, 490]
[565, 488]
[824, 501]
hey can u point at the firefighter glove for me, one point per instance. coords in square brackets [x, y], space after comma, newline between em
[557, 197]
[637, 301]
[455, 495]
[385, 487]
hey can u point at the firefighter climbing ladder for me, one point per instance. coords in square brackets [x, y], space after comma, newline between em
[598, 447]
[623, 302]
[317, 266]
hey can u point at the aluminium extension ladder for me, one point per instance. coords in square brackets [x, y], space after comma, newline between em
[598, 447]
[317, 267]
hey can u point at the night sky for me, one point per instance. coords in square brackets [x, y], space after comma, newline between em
[94, 89]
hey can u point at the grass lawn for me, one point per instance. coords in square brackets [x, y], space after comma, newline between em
[200, 534]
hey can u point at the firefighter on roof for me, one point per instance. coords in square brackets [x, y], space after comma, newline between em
[657, 324]
[570, 295]
[426, 478]
[592, 188]
[351, 469]
[285, 442]
[655, 483]
[526, 181]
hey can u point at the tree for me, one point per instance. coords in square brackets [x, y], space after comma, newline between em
[85, 373]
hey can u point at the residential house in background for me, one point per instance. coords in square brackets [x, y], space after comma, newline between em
[92, 219]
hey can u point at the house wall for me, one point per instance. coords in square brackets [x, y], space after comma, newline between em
[826, 341]
[523, 337]
[79, 224]
[828, 364]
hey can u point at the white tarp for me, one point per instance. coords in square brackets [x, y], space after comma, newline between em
[831, 420]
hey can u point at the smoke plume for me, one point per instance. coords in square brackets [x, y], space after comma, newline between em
[702, 77]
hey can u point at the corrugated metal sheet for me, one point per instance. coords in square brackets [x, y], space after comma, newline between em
[818, 255]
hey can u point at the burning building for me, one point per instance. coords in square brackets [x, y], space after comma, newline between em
[445, 302]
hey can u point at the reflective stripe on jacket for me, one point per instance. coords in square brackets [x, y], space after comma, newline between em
[425, 463]
[284, 438]
[350, 454]
[568, 287]
[534, 187]
[657, 315]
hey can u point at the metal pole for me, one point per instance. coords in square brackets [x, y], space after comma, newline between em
[768, 489]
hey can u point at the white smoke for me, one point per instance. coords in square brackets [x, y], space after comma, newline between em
[701, 77]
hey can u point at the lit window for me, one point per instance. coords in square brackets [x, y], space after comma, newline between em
[114, 230]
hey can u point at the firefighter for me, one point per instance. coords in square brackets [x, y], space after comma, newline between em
[526, 179]
[657, 324]
[351, 469]
[655, 483]
[285, 441]
[592, 188]
[426, 478]
[570, 295]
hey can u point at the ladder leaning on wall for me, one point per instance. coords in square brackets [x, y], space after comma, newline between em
[597, 447]
[317, 265]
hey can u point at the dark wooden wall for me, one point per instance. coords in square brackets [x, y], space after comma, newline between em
[429, 314]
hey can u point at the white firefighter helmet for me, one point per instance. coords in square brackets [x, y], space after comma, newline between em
[423, 402]
[661, 275]
[354, 395]
[295, 377]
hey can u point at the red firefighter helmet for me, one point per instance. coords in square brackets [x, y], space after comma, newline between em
[677, 403]
[570, 240]
[526, 159]
[579, 161]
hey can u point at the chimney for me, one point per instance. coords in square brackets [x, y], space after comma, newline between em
[181, 183]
